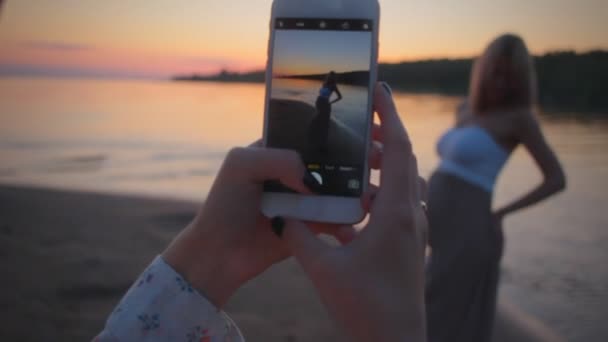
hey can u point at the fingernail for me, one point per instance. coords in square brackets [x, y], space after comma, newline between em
[373, 197]
[379, 146]
[387, 88]
[278, 225]
[311, 182]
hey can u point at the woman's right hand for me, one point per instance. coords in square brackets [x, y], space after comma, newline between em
[373, 287]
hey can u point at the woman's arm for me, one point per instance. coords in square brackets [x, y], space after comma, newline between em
[180, 296]
[337, 93]
[162, 306]
[554, 181]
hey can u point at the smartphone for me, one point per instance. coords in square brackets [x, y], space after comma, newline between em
[320, 76]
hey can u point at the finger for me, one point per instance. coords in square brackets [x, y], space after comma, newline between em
[262, 164]
[344, 234]
[395, 187]
[375, 156]
[322, 228]
[423, 188]
[416, 195]
[367, 200]
[304, 245]
[257, 143]
[377, 132]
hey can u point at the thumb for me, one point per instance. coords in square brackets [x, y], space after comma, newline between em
[304, 244]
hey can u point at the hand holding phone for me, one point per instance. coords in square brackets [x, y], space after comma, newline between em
[230, 229]
[373, 288]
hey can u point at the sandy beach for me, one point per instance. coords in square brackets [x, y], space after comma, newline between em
[68, 257]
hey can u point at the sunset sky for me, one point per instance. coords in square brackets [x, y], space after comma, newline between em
[159, 38]
[319, 52]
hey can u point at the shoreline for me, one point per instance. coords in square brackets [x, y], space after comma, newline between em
[451, 77]
[549, 108]
[71, 255]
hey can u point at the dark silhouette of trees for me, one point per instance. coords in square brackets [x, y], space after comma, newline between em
[567, 80]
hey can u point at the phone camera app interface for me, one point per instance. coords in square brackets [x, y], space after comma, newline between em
[319, 99]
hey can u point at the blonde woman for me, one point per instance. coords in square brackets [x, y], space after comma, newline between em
[465, 235]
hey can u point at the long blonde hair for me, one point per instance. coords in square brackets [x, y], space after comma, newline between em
[503, 77]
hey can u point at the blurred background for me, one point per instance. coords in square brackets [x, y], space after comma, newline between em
[140, 100]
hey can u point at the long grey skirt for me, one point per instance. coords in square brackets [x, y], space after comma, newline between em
[463, 271]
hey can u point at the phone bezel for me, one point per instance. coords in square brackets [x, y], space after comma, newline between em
[329, 209]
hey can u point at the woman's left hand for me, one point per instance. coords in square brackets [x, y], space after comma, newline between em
[230, 241]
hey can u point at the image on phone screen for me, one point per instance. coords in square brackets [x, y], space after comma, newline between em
[319, 99]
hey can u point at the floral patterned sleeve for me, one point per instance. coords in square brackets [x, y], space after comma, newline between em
[162, 306]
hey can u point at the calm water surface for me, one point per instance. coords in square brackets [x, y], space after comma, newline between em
[168, 139]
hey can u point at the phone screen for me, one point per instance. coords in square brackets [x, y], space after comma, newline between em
[319, 99]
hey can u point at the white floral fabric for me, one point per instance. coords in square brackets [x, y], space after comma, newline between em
[162, 306]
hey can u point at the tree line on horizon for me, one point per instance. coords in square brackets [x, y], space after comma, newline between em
[567, 80]
[354, 78]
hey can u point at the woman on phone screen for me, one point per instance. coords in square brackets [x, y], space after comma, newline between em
[320, 126]
[465, 235]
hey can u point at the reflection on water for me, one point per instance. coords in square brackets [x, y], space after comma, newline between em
[168, 139]
[150, 138]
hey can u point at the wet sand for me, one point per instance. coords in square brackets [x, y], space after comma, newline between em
[68, 257]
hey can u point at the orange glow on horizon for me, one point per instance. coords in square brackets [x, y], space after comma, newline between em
[165, 38]
[134, 61]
